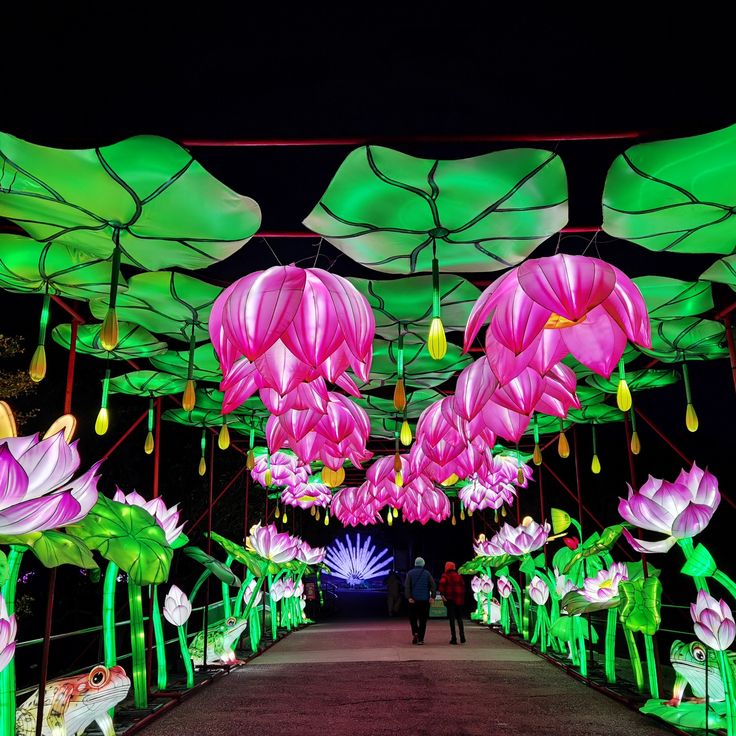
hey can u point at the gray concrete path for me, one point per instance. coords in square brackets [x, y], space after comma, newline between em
[366, 679]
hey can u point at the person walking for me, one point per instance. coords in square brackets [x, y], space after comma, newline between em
[393, 593]
[452, 590]
[419, 588]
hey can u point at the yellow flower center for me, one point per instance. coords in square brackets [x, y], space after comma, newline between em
[557, 322]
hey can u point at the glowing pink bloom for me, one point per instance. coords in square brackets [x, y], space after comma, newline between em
[271, 544]
[475, 386]
[484, 585]
[37, 492]
[355, 506]
[8, 632]
[604, 586]
[505, 589]
[713, 621]
[307, 495]
[488, 547]
[680, 510]
[292, 325]
[310, 555]
[286, 470]
[538, 590]
[476, 496]
[522, 540]
[177, 607]
[166, 518]
[590, 307]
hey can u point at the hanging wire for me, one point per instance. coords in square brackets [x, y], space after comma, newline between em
[273, 252]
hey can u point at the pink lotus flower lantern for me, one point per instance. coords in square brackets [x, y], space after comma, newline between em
[604, 586]
[310, 555]
[523, 539]
[538, 590]
[292, 325]
[488, 547]
[549, 307]
[356, 506]
[280, 470]
[166, 518]
[476, 496]
[37, 492]
[307, 495]
[382, 478]
[680, 510]
[713, 622]
[269, 543]
[505, 589]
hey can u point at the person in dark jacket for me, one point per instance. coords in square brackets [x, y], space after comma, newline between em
[393, 593]
[452, 590]
[419, 589]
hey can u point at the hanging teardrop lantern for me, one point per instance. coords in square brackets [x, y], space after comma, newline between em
[223, 438]
[623, 394]
[635, 442]
[389, 518]
[203, 445]
[284, 517]
[277, 511]
[436, 340]
[462, 512]
[327, 518]
[691, 416]
[405, 435]
[537, 456]
[109, 330]
[563, 446]
[149, 444]
[37, 370]
[103, 420]
[316, 513]
[190, 397]
[595, 465]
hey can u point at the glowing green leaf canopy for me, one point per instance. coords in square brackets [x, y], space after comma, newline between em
[146, 383]
[671, 298]
[722, 272]
[637, 380]
[420, 369]
[386, 209]
[210, 400]
[135, 341]
[687, 338]
[675, 195]
[547, 424]
[383, 414]
[596, 414]
[146, 192]
[206, 365]
[166, 303]
[409, 302]
[202, 418]
[29, 266]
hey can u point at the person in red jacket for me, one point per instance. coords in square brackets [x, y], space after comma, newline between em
[452, 590]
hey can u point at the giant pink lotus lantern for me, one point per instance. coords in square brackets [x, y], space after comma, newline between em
[476, 496]
[549, 307]
[307, 495]
[269, 543]
[356, 506]
[166, 518]
[382, 476]
[523, 539]
[423, 502]
[680, 510]
[280, 469]
[604, 586]
[276, 329]
[37, 492]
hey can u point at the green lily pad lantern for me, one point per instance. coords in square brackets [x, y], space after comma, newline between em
[400, 214]
[668, 298]
[170, 304]
[143, 201]
[252, 412]
[675, 195]
[151, 384]
[205, 366]
[51, 269]
[134, 342]
[213, 418]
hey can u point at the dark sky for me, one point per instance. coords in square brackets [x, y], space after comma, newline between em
[79, 79]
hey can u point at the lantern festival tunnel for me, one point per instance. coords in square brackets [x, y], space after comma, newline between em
[230, 450]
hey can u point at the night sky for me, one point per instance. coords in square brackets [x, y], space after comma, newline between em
[74, 79]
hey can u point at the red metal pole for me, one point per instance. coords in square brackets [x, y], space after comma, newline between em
[70, 371]
[542, 511]
[45, 653]
[246, 527]
[634, 484]
[661, 434]
[209, 549]
[731, 348]
[471, 138]
[125, 436]
[577, 477]
[157, 447]
[227, 487]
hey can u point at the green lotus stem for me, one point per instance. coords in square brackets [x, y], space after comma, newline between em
[525, 606]
[517, 608]
[158, 635]
[651, 666]
[254, 625]
[105, 388]
[241, 593]
[138, 645]
[7, 676]
[43, 324]
[580, 625]
[259, 585]
[725, 581]
[226, 604]
[729, 688]
[686, 545]
[192, 348]
[400, 354]
[150, 414]
[610, 661]
[108, 614]
[186, 656]
[635, 658]
[505, 621]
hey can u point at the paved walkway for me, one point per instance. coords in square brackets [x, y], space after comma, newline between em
[366, 679]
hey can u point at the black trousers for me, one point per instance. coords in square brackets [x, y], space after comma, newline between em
[418, 615]
[454, 613]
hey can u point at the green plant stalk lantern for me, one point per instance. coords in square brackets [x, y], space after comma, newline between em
[202, 469]
[623, 394]
[158, 635]
[108, 614]
[103, 419]
[537, 456]
[635, 441]
[138, 645]
[595, 465]
[436, 340]
[109, 332]
[7, 676]
[148, 446]
[37, 370]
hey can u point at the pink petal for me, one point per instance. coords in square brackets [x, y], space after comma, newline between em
[650, 547]
[13, 480]
[597, 343]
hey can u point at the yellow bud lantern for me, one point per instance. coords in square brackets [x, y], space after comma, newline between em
[102, 422]
[390, 518]
[109, 330]
[450, 481]
[537, 456]
[406, 435]
[691, 416]
[635, 441]
[223, 438]
[202, 469]
[595, 464]
[148, 445]
[277, 512]
[250, 460]
[563, 446]
[399, 480]
[203, 445]
[284, 518]
[316, 514]
[437, 341]
[327, 518]
[395, 513]
[400, 395]
[189, 397]
[37, 371]
[268, 476]
[623, 395]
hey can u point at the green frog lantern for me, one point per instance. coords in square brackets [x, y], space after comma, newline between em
[694, 665]
[70, 704]
[221, 642]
